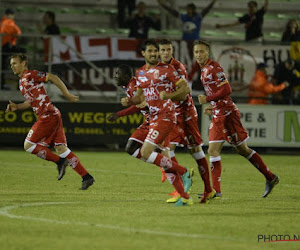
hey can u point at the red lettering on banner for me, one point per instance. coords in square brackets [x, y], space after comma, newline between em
[129, 45]
[101, 42]
[78, 44]
[65, 56]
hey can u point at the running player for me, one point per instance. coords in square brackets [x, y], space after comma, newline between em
[153, 78]
[124, 78]
[226, 124]
[186, 132]
[48, 129]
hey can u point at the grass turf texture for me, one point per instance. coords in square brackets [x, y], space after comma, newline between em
[126, 207]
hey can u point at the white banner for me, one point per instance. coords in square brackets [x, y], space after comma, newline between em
[239, 62]
[270, 126]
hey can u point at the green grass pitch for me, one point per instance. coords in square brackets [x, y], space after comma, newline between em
[126, 207]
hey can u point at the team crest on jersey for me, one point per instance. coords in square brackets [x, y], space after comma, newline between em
[156, 74]
[40, 74]
[141, 73]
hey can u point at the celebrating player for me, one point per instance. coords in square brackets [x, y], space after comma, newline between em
[123, 77]
[186, 132]
[226, 124]
[48, 129]
[152, 79]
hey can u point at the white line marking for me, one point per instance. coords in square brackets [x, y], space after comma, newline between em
[5, 211]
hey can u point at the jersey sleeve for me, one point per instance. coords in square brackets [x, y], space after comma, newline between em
[173, 75]
[182, 71]
[39, 76]
[223, 87]
[129, 111]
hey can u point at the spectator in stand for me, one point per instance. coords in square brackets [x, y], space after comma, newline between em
[292, 31]
[260, 87]
[139, 24]
[191, 20]
[253, 21]
[289, 71]
[130, 4]
[168, 21]
[10, 32]
[51, 28]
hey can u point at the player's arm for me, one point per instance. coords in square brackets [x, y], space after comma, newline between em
[125, 112]
[17, 106]
[208, 8]
[208, 110]
[169, 9]
[182, 89]
[137, 99]
[223, 91]
[59, 83]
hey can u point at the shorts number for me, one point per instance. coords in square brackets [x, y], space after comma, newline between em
[30, 133]
[233, 138]
[190, 139]
[153, 134]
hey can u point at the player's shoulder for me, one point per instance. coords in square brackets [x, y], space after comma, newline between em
[163, 66]
[177, 63]
[132, 82]
[213, 65]
[141, 69]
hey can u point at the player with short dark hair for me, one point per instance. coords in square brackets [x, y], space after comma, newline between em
[48, 129]
[123, 77]
[226, 124]
[152, 79]
[187, 131]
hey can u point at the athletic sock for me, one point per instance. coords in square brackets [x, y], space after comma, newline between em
[176, 181]
[257, 162]
[167, 164]
[173, 157]
[74, 162]
[173, 170]
[216, 170]
[43, 153]
[203, 170]
[137, 154]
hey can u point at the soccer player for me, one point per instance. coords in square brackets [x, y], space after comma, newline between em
[123, 77]
[186, 132]
[48, 129]
[153, 78]
[226, 124]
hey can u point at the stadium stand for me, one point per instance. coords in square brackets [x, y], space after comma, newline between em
[100, 17]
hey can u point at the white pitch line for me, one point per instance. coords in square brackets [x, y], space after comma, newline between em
[5, 211]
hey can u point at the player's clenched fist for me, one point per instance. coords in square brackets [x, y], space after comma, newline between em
[11, 107]
[202, 99]
[208, 110]
[72, 98]
[162, 95]
[125, 101]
